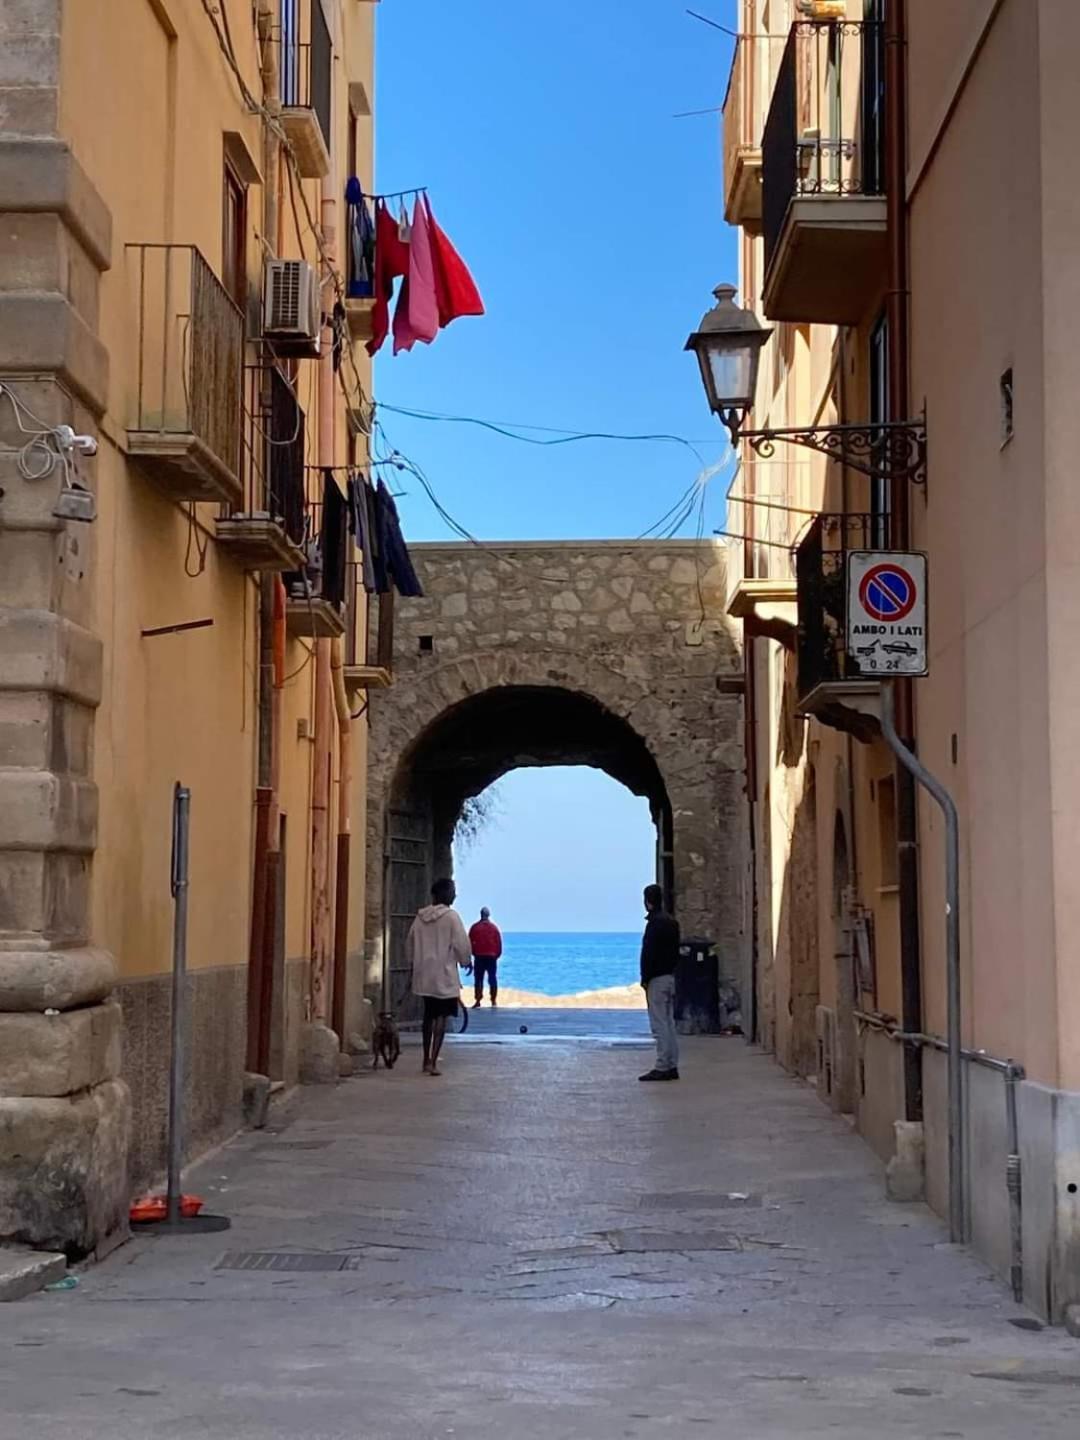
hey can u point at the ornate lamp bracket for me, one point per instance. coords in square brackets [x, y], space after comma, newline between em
[893, 450]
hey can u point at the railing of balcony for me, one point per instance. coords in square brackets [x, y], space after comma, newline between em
[740, 121]
[821, 572]
[825, 130]
[764, 507]
[190, 357]
[369, 625]
[306, 65]
[274, 441]
[325, 544]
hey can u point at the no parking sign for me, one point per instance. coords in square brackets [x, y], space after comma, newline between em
[886, 610]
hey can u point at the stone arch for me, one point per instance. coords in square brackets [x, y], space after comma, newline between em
[611, 719]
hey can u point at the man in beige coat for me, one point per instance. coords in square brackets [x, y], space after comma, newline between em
[438, 945]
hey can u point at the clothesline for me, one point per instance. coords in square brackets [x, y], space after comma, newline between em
[397, 194]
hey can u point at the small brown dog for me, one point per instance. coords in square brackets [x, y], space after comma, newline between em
[385, 1041]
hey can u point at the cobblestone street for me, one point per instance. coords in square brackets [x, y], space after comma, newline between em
[535, 1245]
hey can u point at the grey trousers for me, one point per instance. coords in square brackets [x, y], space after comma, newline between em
[661, 997]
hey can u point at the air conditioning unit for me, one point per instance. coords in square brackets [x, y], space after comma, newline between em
[291, 304]
[823, 9]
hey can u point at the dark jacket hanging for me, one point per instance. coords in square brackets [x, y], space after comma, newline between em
[334, 522]
[392, 548]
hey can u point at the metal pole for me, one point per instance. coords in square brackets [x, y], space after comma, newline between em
[938, 793]
[181, 824]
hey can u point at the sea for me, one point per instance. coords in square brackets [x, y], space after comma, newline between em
[569, 962]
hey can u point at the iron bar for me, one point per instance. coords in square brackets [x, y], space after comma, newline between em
[885, 450]
[179, 885]
[944, 800]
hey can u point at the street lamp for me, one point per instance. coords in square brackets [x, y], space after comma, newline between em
[728, 344]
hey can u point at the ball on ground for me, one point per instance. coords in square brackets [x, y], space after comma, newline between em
[523, 1029]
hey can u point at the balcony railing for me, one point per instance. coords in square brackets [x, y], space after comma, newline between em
[821, 572]
[824, 135]
[305, 61]
[317, 592]
[369, 634]
[276, 441]
[186, 414]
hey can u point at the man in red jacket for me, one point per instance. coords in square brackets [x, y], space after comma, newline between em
[486, 945]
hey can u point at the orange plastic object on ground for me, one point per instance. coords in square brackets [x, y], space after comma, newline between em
[155, 1207]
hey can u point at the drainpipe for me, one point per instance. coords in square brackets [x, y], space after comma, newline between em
[344, 838]
[898, 301]
[934, 788]
[267, 839]
[321, 869]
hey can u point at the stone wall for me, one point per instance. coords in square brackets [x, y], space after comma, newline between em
[64, 1111]
[638, 628]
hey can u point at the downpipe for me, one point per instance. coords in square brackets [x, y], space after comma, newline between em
[938, 793]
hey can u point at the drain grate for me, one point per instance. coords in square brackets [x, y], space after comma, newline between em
[696, 1200]
[643, 1242]
[286, 1260]
[294, 1145]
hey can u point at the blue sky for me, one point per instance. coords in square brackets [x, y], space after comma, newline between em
[592, 221]
[566, 849]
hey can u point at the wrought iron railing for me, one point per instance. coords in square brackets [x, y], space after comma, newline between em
[369, 623]
[190, 350]
[274, 442]
[325, 546]
[825, 130]
[821, 573]
[306, 66]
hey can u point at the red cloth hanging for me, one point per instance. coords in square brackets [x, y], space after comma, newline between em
[417, 314]
[391, 261]
[454, 286]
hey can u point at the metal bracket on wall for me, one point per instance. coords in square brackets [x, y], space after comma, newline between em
[892, 450]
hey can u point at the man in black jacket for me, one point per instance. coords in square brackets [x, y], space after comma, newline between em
[659, 956]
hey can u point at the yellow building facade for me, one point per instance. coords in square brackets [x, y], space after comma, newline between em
[894, 169]
[175, 286]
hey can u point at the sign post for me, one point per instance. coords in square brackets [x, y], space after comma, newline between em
[886, 613]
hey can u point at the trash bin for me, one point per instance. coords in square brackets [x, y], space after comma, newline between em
[697, 989]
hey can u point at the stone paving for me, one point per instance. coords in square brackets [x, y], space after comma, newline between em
[535, 1245]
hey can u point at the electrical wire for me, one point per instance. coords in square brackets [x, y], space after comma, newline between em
[558, 437]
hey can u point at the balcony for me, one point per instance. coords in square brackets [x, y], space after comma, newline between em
[266, 531]
[831, 686]
[306, 65]
[316, 593]
[185, 429]
[763, 512]
[359, 286]
[742, 139]
[369, 636]
[823, 203]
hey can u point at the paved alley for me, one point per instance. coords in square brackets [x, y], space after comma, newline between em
[535, 1245]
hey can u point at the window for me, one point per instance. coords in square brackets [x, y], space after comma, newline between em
[1007, 426]
[353, 120]
[234, 236]
[879, 414]
[886, 809]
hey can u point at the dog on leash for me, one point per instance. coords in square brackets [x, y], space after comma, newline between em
[386, 1041]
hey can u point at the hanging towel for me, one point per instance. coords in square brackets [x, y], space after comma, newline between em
[391, 260]
[360, 525]
[455, 287]
[361, 233]
[378, 560]
[417, 314]
[394, 551]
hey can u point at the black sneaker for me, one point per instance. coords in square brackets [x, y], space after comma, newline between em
[660, 1075]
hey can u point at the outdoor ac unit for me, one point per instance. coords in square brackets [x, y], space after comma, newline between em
[823, 9]
[291, 309]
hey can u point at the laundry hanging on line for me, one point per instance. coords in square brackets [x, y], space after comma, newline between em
[360, 229]
[385, 562]
[437, 287]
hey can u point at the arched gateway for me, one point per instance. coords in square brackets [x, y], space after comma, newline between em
[612, 654]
